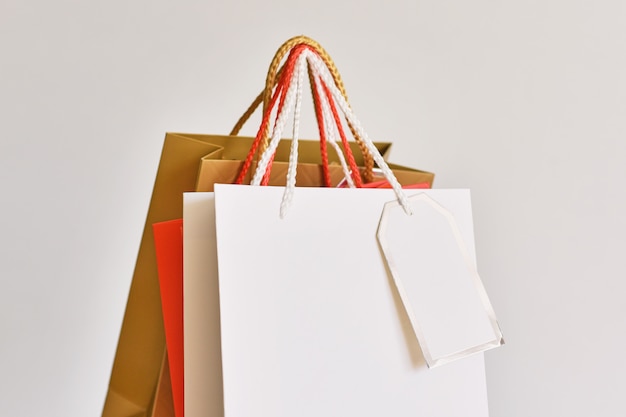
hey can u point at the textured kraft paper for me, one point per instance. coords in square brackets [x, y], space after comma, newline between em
[138, 362]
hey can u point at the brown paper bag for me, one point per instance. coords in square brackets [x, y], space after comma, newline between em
[138, 361]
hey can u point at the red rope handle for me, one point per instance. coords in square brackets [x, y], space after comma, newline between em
[280, 91]
[323, 145]
[283, 94]
[279, 95]
[356, 174]
[291, 59]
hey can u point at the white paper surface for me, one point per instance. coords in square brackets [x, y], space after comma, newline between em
[203, 368]
[437, 279]
[312, 324]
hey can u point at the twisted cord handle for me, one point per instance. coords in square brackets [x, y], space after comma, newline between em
[327, 125]
[274, 74]
[293, 93]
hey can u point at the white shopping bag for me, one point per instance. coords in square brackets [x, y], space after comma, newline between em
[312, 323]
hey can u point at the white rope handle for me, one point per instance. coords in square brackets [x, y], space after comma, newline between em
[328, 121]
[320, 71]
[281, 121]
[332, 131]
[293, 154]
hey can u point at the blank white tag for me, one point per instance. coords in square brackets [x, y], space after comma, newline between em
[437, 280]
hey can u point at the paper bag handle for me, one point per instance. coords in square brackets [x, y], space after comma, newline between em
[294, 93]
[327, 117]
[323, 111]
[273, 75]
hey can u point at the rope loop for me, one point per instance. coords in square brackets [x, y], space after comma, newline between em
[293, 92]
[272, 79]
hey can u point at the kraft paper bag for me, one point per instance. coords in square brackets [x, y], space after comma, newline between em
[138, 362]
[312, 321]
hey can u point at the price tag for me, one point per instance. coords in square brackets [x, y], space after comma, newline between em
[436, 277]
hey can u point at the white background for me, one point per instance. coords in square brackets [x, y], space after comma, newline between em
[524, 102]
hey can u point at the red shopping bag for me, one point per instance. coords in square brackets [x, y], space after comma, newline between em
[168, 241]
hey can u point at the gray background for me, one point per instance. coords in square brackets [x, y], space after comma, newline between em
[521, 101]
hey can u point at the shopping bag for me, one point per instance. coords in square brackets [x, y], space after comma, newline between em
[311, 322]
[315, 318]
[168, 241]
[140, 351]
[202, 346]
[203, 359]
